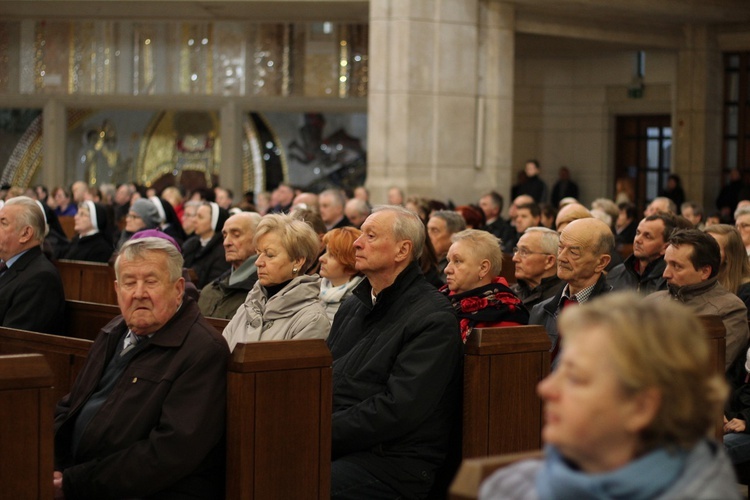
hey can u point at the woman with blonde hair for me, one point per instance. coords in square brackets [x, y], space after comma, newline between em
[339, 277]
[284, 303]
[734, 271]
[628, 409]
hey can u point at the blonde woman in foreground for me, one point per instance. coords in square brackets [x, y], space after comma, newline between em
[627, 411]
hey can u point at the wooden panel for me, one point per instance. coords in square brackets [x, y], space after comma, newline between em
[509, 268]
[84, 320]
[475, 470]
[87, 281]
[68, 225]
[64, 356]
[476, 413]
[279, 420]
[26, 432]
[515, 410]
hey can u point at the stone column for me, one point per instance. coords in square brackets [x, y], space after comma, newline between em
[440, 97]
[697, 122]
[230, 170]
[54, 127]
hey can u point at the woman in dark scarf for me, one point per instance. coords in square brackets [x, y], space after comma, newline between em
[479, 295]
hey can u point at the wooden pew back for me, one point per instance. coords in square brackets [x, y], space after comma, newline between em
[26, 403]
[502, 366]
[87, 281]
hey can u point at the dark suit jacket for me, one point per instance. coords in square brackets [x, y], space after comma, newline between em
[31, 295]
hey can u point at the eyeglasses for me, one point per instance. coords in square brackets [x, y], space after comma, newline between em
[741, 226]
[525, 252]
[132, 216]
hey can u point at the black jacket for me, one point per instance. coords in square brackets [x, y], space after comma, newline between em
[94, 248]
[209, 262]
[545, 313]
[396, 381]
[624, 276]
[530, 297]
[32, 296]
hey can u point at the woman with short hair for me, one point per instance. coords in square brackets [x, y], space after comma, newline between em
[480, 296]
[628, 409]
[339, 277]
[284, 303]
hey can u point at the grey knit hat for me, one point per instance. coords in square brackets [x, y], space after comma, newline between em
[147, 212]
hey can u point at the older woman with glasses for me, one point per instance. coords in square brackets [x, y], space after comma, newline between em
[479, 295]
[628, 410]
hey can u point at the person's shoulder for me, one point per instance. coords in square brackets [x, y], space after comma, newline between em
[659, 295]
[708, 474]
[515, 481]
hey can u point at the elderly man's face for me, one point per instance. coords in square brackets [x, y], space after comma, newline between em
[146, 295]
[376, 249]
[658, 205]
[532, 264]
[238, 240]
[440, 237]
[10, 234]
[330, 209]
[577, 263]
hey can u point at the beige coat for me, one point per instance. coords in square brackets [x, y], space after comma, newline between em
[295, 312]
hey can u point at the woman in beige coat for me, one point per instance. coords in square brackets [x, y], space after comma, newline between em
[284, 303]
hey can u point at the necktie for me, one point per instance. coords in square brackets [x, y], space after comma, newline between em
[131, 340]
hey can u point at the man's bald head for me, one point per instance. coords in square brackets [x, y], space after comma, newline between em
[569, 213]
[585, 251]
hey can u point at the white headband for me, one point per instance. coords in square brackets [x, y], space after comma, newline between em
[92, 213]
[214, 215]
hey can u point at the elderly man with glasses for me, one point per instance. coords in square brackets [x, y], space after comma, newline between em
[535, 258]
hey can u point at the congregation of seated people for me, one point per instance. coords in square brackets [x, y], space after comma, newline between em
[291, 264]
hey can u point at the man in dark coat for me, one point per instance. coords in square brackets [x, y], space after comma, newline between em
[222, 297]
[586, 246]
[31, 291]
[146, 415]
[396, 368]
[535, 260]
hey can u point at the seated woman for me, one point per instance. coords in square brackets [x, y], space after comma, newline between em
[63, 205]
[734, 273]
[479, 295]
[90, 243]
[142, 215]
[337, 268]
[204, 251]
[284, 303]
[628, 410]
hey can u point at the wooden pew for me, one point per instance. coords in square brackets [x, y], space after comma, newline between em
[509, 268]
[501, 411]
[278, 411]
[26, 403]
[279, 421]
[473, 471]
[68, 223]
[83, 320]
[87, 281]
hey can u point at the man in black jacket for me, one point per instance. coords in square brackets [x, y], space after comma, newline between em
[396, 368]
[31, 292]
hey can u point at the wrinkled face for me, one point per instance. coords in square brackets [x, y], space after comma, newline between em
[437, 229]
[273, 263]
[465, 270]
[488, 207]
[82, 221]
[743, 226]
[238, 241]
[649, 243]
[587, 415]
[203, 222]
[133, 222]
[145, 294]
[576, 262]
[525, 220]
[376, 248]
[330, 210]
[531, 262]
[680, 270]
[333, 269]
[10, 233]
